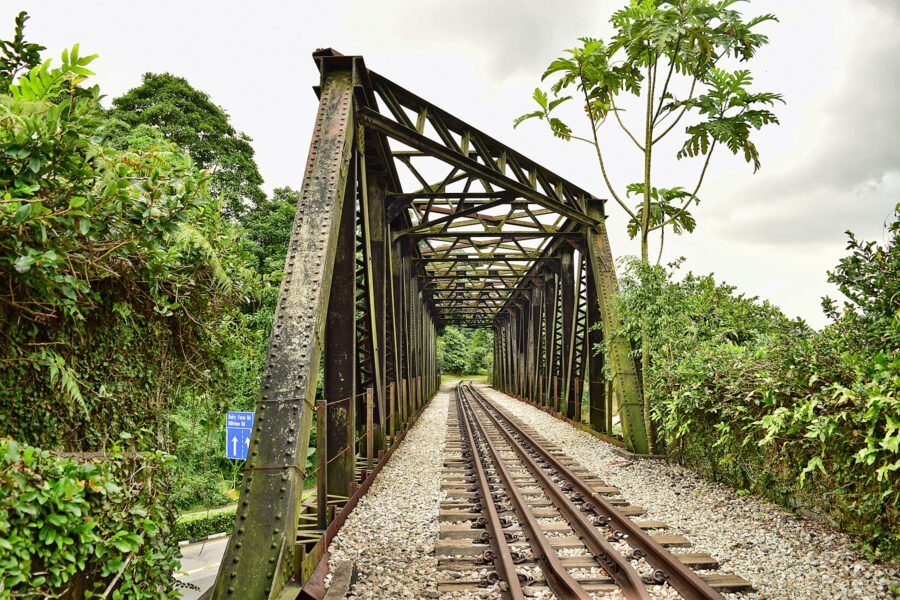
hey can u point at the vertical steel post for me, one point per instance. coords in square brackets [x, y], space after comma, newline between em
[339, 364]
[550, 308]
[395, 300]
[567, 307]
[556, 394]
[595, 359]
[372, 208]
[622, 364]
[398, 289]
[534, 349]
[405, 312]
[572, 350]
[370, 428]
[322, 463]
[392, 411]
[512, 339]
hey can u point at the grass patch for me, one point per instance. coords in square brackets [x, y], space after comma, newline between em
[450, 377]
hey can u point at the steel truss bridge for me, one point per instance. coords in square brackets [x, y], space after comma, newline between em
[409, 220]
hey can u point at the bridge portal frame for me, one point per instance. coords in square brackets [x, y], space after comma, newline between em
[376, 266]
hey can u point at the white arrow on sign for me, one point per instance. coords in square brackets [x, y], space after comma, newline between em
[234, 445]
[247, 441]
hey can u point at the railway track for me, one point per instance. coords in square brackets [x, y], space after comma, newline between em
[525, 520]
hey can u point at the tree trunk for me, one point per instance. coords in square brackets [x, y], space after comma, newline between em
[645, 258]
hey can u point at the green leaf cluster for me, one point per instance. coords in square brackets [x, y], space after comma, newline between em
[17, 55]
[669, 56]
[77, 522]
[131, 300]
[730, 113]
[664, 207]
[809, 419]
[188, 118]
[115, 264]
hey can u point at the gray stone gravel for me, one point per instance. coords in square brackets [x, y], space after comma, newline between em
[391, 533]
[785, 557]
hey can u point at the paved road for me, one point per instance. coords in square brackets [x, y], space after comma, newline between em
[199, 565]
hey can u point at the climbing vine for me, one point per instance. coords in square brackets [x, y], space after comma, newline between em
[85, 526]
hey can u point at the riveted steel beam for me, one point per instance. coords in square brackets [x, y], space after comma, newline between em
[260, 556]
[498, 235]
[339, 366]
[599, 407]
[499, 257]
[622, 364]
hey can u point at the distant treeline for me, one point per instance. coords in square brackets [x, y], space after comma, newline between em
[464, 351]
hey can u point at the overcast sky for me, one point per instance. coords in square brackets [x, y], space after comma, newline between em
[833, 164]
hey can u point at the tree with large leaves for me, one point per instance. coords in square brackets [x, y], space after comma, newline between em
[669, 58]
[189, 118]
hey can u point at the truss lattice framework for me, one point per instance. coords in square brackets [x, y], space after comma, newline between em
[410, 219]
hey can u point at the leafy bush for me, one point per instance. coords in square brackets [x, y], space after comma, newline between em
[197, 525]
[114, 266]
[128, 300]
[75, 524]
[749, 397]
[465, 351]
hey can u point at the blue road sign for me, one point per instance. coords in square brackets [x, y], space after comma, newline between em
[238, 426]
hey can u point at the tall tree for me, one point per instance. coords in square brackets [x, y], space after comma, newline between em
[187, 116]
[668, 56]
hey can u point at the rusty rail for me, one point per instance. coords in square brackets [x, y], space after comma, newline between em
[610, 559]
[668, 568]
[557, 576]
[503, 559]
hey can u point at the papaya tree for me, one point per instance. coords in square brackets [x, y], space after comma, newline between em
[669, 57]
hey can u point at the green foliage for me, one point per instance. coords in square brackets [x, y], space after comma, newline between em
[187, 117]
[114, 263]
[451, 350]
[746, 396]
[17, 55]
[663, 208]
[73, 523]
[129, 301]
[44, 83]
[730, 112]
[268, 227]
[197, 525]
[465, 351]
[657, 46]
[869, 278]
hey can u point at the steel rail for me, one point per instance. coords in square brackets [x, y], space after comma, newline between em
[503, 558]
[556, 575]
[610, 559]
[671, 570]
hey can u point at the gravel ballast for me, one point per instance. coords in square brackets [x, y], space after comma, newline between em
[783, 556]
[391, 533]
